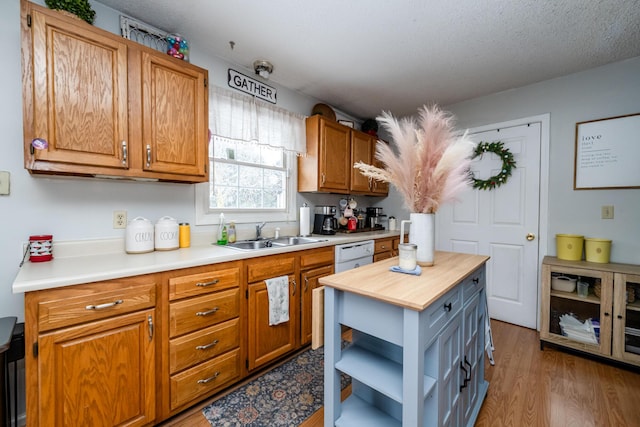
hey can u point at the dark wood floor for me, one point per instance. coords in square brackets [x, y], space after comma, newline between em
[530, 387]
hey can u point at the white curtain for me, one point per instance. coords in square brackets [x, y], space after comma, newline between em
[242, 118]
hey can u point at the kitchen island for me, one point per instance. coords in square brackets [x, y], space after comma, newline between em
[403, 325]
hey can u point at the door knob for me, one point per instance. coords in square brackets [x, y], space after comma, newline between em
[530, 236]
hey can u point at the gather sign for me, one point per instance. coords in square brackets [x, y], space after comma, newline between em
[251, 86]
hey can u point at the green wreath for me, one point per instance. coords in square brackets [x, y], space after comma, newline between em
[508, 164]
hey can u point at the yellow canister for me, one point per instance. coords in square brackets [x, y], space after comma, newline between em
[597, 250]
[569, 246]
[185, 235]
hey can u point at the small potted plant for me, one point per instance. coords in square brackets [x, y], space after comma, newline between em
[80, 8]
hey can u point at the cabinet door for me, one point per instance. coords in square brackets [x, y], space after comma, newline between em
[309, 282]
[78, 95]
[472, 355]
[626, 319]
[597, 306]
[362, 146]
[450, 374]
[335, 157]
[267, 343]
[174, 117]
[378, 188]
[83, 371]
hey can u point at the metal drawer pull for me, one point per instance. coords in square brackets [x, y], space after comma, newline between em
[462, 386]
[476, 281]
[213, 282]
[294, 286]
[306, 284]
[447, 307]
[206, 380]
[204, 347]
[206, 313]
[148, 155]
[103, 306]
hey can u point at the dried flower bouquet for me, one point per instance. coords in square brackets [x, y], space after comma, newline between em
[432, 162]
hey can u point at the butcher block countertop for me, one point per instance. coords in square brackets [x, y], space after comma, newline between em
[405, 290]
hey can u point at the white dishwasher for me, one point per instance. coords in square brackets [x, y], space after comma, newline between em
[352, 255]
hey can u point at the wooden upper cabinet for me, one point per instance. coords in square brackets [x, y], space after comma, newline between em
[79, 89]
[174, 127]
[362, 146]
[109, 106]
[327, 165]
[332, 149]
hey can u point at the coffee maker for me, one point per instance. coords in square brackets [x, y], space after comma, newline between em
[375, 217]
[325, 221]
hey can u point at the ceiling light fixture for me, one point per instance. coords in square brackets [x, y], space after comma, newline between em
[263, 68]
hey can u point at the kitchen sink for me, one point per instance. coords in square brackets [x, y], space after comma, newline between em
[251, 245]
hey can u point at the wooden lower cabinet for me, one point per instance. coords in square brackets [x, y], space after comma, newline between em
[383, 249]
[266, 343]
[79, 361]
[314, 264]
[611, 303]
[205, 334]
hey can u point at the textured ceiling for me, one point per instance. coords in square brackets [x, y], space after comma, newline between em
[365, 56]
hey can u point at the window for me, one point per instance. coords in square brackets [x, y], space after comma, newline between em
[247, 176]
[252, 161]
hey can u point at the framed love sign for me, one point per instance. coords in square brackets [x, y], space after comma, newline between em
[607, 153]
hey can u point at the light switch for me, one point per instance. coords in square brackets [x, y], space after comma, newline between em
[4, 182]
[607, 212]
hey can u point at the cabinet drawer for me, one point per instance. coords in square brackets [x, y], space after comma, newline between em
[472, 284]
[383, 245]
[381, 256]
[205, 378]
[269, 267]
[438, 314]
[84, 303]
[202, 345]
[314, 257]
[222, 277]
[200, 312]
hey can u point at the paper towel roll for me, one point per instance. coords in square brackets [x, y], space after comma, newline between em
[305, 220]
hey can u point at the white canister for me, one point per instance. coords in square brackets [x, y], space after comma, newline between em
[167, 234]
[139, 236]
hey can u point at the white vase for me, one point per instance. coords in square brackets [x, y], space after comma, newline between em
[422, 232]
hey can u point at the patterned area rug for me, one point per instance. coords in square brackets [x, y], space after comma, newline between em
[284, 396]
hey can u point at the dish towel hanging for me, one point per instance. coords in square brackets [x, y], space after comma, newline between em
[278, 291]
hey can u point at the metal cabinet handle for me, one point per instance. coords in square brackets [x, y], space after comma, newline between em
[306, 284]
[103, 306]
[150, 323]
[207, 346]
[205, 284]
[476, 280]
[323, 178]
[148, 155]
[294, 286]
[466, 362]
[447, 307]
[208, 312]
[465, 376]
[211, 378]
[125, 153]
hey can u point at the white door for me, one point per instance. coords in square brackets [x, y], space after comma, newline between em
[502, 223]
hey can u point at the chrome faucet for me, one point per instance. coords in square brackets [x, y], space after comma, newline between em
[259, 230]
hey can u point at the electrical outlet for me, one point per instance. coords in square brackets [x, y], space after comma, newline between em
[4, 183]
[607, 212]
[119, 219]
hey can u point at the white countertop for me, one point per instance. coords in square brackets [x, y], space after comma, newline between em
[108, 260]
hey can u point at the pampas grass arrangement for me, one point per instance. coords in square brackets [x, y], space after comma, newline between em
[432, 163]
